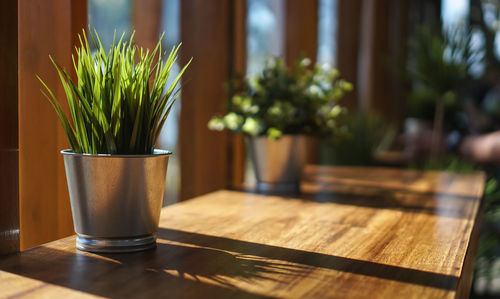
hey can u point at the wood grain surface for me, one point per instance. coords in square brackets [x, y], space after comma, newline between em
[353, 233]
[44, 210]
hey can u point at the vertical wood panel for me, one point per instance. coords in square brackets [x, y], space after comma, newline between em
[146, 17]
[78, 20]
[9, 149]
[44, 203]
[301, 40]
[206, 36]
[348, 39]
[236, 171]
[397, 51]
[383, 40]
[301, 29]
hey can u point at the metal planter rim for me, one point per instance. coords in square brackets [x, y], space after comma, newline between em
[157, 152]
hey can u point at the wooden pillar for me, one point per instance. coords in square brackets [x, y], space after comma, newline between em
[206, 35]
[348, 42]
[396, 86]
[301, 29]
[146, 17]
[79, 20]
[382, 51]
[42, 209]
[301, 40]
[36, 182]
[9, 145]
[236, 171]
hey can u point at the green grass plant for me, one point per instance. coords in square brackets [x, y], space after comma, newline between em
[120, 100]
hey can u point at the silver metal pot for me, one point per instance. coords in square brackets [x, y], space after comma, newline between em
[116, 200]
[278, 164]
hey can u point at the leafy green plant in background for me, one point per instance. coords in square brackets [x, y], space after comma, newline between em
[281, 100]
[438, 66]
[120, 101]
[368, 134]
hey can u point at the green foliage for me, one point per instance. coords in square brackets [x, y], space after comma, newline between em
[281, 100]
[120, 101]
[368, 133]
[447, 163]
[438, 66]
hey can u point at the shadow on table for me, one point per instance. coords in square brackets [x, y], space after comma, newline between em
[314, 260]
[443, 205]
[189, 264]
[169, 271]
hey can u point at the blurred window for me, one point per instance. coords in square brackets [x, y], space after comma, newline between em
[265, 32]
[106, 16]
[327, 32]
[456, 13]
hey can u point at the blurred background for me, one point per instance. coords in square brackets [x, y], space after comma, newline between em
[426, 77]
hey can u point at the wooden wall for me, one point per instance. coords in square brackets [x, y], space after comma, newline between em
[34, 202]
[9, 145]
[43, 200]
[236, 169]
[348, 41]
[206, 33]
[382, 53]
[301, 29]
[146, 18]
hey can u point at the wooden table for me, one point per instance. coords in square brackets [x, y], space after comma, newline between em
[355, 232]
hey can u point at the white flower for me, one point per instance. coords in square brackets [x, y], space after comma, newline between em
[314, 90]
[251, 126]
[216, 124]
[232, 121]
[305, 62]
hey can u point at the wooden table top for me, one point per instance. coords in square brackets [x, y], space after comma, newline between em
[354, 232]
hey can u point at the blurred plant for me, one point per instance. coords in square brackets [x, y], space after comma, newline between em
[281, 100]
[368, 134]
[119, 103]
[449, 163]
[438, 65]
[485, 17]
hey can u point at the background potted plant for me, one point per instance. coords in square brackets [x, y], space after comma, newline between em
[115, 175]
[438, 68]
[277, 110]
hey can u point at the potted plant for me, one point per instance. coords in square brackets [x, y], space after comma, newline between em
[115, 175]
[277, 110]
[438, 68]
